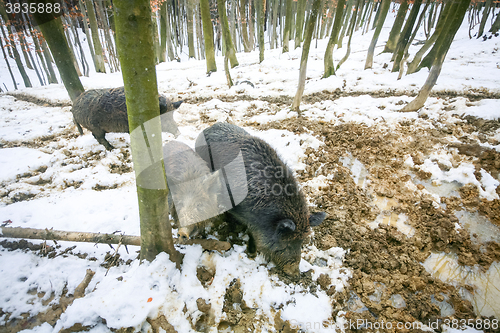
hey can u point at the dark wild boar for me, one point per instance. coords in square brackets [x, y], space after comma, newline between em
[274, 208]
[104, 111]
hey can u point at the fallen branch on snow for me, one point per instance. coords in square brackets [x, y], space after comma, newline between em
[89, 237]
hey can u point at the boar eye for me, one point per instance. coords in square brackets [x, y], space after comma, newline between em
[285, 226]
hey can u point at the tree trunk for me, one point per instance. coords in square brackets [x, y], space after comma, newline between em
[134, 28]
[163, 32]
[98, 52]
[199, 32]
[377, 15]
[328, 58]
[301, 12]
[327, 17]
[496, 25]
[113, 64]
[390, 46]
[365, 13]
[170, 46]
[347, 16]
[47, 56]
[8, 65]
[85, 66]
[86, 28]
[244, 25]
[70, 48]
[414, 65]
[52, 31]
[208, 36]
[24, 48]
[370, 14]
[156, 37]
[351, 32]
[190, 28]
[232, 23]
[226, 35]
[274, 35]
[444, 41]
[261, 6]
[412, 37]
[17, 57]
[311, 22]
[447, 20]
[251, 26]
[288, 25]
[486, 12]
[406, 33]
[39, 52]
[384, 9]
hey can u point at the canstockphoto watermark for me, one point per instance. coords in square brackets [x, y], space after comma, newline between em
[363, 324]
[271, 174]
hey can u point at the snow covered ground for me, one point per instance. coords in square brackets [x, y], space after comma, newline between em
[52, 178]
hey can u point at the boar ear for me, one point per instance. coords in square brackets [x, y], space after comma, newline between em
[316, 219]
[285, 226]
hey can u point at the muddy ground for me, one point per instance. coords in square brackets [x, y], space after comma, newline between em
[389, 282]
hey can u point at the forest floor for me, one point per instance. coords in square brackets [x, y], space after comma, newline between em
[420, 249]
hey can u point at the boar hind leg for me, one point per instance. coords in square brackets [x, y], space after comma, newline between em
[99, 136]
[78, 126]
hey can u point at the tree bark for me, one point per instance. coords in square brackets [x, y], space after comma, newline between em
[328, 58]
[414, 65]
[208, 36]
[496, 25]
[345, 25]
[99, 238]
[406, 33]
[112, 61]
[8, 65]
[486, 12]
[447, 20]
[390, 46]
[311, 22]
[288, 25]
[53, 33]
[190, 28]
[408, 44]
[261, 6]
[47, 56]
[351, 32]
[384, 9]
[86, 28]
[133, 28]
[301, 12]
[17, 57]
[226, 35]
[98, 52]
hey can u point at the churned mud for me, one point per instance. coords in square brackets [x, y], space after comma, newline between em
[383, 212]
